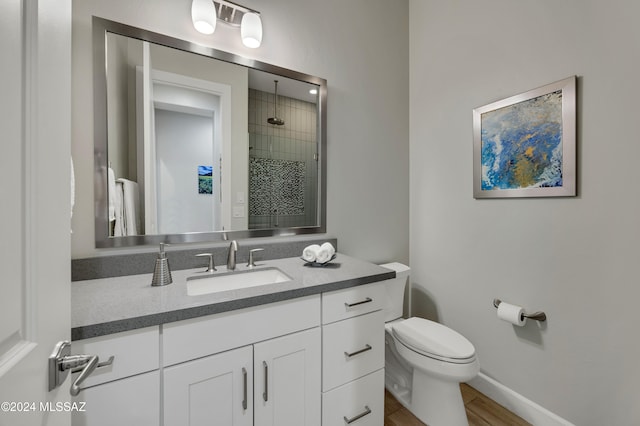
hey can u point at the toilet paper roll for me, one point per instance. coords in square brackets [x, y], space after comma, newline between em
[511, 313]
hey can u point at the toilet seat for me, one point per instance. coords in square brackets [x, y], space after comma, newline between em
[434, 340]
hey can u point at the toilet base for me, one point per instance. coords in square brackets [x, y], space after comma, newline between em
[437, 402]
[427, 387]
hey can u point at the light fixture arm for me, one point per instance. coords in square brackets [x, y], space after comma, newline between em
[205, 13]
[231, 13]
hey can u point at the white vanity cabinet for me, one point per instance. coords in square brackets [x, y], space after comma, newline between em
[257, 366]
[316, 360]
[353, 356]
[128, 390]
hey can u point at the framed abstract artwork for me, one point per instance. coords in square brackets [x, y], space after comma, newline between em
[525, 145]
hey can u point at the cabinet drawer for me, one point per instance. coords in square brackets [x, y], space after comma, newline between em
[198, 337]
[130, 401]
[352, 348]
[134, 352]
[363, 397]
[351, 302]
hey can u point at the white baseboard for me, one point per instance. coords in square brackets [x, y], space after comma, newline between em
[516, 403]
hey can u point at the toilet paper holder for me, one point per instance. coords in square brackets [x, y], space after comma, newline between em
[538, 316]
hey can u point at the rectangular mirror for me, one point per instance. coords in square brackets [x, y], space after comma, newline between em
[194, 144]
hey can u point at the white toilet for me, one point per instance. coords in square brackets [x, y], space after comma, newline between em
[425, 362]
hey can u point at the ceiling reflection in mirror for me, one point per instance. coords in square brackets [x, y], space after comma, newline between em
[194, 144]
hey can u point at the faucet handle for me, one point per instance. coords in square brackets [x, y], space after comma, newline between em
[211, 267]
[251, 264]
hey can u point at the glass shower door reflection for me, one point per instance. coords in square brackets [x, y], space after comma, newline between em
[283, 181]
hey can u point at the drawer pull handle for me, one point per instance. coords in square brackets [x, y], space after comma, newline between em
[366, 411]
[265, 394]
[351, 305]
[244, 384]
[366, 348]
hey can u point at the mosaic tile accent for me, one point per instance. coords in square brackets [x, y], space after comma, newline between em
[276, 182]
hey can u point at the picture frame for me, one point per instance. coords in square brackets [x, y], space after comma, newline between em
[205, 180]
[525, 145]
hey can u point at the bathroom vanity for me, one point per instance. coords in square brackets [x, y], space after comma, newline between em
[306, 351]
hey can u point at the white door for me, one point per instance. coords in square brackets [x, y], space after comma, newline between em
[215, 390]
[35, 130]
[287, 380]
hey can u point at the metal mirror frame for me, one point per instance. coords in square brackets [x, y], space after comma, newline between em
[102, 239]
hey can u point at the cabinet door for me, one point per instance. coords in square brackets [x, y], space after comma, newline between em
[215, 390]
[131, 401]
[287, 380]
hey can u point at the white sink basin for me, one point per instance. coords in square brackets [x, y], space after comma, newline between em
[197, 286]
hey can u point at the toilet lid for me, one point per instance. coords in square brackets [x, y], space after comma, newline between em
[433, 339]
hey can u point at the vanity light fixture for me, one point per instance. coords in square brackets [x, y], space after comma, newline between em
[204, 14]
[251, 30]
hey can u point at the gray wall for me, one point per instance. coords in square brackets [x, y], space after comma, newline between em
[575, 258]
[359, 46]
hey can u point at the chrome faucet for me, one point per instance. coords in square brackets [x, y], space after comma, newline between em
[231, 258]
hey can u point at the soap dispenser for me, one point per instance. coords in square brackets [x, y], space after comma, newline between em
[161, 273]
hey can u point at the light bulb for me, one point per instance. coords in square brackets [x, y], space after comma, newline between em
[203, 15]
[251, 30]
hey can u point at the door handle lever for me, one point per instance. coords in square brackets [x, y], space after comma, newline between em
[61, 362]
[100, 365]
[89, 363]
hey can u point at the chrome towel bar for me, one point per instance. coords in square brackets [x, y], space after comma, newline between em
[538, 316]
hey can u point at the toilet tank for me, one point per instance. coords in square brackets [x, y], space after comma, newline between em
[395, 289]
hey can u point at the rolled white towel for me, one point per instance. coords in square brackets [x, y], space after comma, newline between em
[310, 253]
[325, 253]
[328, 246]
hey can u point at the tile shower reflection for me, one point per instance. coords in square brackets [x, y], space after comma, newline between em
[283, 171]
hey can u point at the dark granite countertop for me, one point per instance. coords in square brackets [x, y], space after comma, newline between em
[111, 305]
